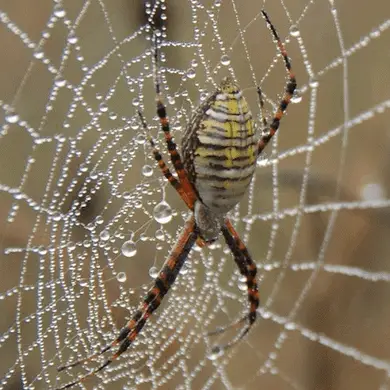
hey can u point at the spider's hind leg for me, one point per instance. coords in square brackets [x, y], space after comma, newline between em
[248, 269]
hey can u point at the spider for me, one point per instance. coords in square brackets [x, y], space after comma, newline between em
[219, 153]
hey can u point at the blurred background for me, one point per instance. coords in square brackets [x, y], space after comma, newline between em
[81, 239]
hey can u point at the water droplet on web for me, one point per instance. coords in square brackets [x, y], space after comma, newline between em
[215, 353]
[135, 102]
[129, 249]
[11, 117]
[39, 55]
[203, 96]
[99, 220]
[153, 272]
[296, 97]
[104, 235]
[147, 170]
[56, 217]
[191, 73]
[290, 326]
[242, 286]
[140, 139]
[225, 60]
[242, 279]
[143, 237]
[59, 11]
[159, 234]
[162, 212]
[72, 39]
[313, 82]
[121, 277]
[103, 107]
[294, 31]
[42, 250]
[60, 83]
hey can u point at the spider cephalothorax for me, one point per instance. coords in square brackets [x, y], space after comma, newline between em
[219, 152]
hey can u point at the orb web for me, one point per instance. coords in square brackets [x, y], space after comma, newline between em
[87, 219]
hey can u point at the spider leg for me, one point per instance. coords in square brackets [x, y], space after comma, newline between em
[261, 101]
[290, 88]
[247, 268]
[163, 166]
[171, 145]
[151, 302]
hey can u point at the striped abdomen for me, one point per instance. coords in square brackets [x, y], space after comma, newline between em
[219, 148]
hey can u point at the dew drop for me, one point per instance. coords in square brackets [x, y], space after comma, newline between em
[147, 170]
[153, 272]
[112, 115]
[140, 139]
[129, 249]
[191, 73]
[103, 107]
[290, 326]
[72, 39]
[225, 60]
[59, 11]
[39, 55]
[162, 212]
[42, 250]
[11, 117]
[104, 235]
[60, 83]
[294, 31]
[159, 234]
[296, 97]
[313, 82]
[121, 277]
[215, 353]
[56, 217]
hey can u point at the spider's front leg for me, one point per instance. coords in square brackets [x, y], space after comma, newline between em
[150, 303]
[188, 193]
[288, 94]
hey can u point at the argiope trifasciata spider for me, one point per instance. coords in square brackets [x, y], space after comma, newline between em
[219, 153]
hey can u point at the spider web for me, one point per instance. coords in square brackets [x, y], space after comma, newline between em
[87, 220]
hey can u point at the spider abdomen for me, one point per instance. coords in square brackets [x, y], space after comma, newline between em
[220, 148]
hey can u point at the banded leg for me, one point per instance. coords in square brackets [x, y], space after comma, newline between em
[171, 145]
[248, 269]
[151, 302]
[290, 88]
[163, 166]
